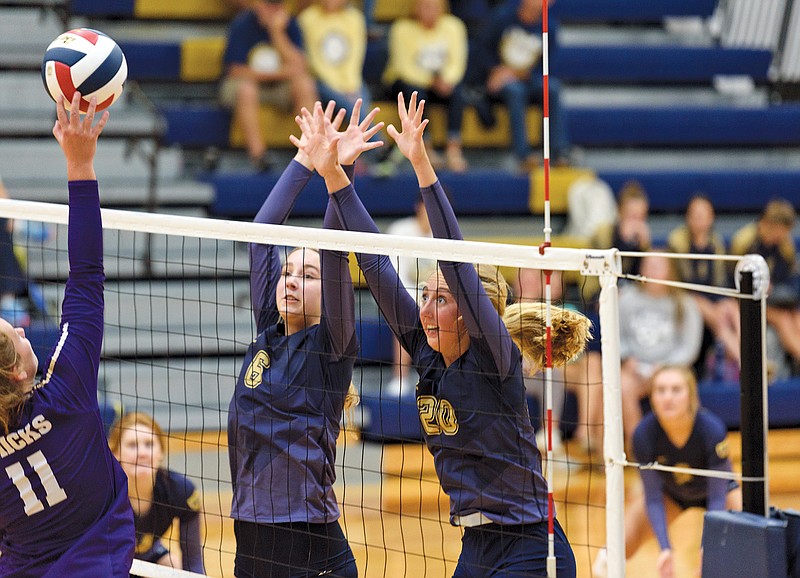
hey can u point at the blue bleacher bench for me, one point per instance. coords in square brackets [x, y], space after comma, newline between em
[727, 126]
[629, 11]
[656, 64]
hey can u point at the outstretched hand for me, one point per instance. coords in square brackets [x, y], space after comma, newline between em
[335, 122]
[355, 139]
[319, 140]
[412, 126]
[78, 136]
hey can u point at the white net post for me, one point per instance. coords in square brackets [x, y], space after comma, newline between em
[613, 438]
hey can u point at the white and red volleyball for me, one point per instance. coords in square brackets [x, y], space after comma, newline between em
[87, 61]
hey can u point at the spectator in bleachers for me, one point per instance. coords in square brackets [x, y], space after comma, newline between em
[721, 316]
[678, 433]
[510, 56]
[13, 285]
[264, 64]
[658, 325]
[631, 231]
[335, 37]
[412, 272]
[771, 237]
[158, 495]
[428, 54]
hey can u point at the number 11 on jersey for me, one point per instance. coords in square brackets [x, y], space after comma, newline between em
[53, 492]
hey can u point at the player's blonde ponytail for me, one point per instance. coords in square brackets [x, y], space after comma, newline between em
[526, 323]
[12, 396]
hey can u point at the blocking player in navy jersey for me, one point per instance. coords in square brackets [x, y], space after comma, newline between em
[678, 432]
[284, 418]
[64, 508]
[470, 395]
[158, 495]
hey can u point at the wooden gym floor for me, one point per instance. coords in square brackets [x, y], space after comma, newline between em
[397, 527]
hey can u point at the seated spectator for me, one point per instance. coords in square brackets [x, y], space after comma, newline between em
[510, 48]
[658, 325]
[264, 64]
[721, 316]
[428, 54]
[631, 232]
[158, 496]
[335, 37]
[771, 237]
[678, 433]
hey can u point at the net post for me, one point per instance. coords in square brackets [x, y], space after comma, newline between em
[613, 439]
[753, 396]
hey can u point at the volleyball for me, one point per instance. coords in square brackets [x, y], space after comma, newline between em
[87, 61]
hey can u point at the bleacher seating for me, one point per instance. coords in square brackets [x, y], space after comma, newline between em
[195, 59]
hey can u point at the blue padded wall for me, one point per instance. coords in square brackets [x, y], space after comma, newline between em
[730, 190]
[479, 192]
[152, 60]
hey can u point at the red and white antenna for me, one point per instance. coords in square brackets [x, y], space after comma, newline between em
[548, 369]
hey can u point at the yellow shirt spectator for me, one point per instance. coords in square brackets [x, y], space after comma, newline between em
[335, 43]
[418, 54]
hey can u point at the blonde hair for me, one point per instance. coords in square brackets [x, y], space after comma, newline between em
[688, 376]
[779, 212]
[129, 421]
[527, 323]
[495, 285]
[12, 395]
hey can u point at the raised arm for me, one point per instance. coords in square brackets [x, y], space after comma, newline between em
[480, 316]
[82, 309]
[265, 262]
[396, 305]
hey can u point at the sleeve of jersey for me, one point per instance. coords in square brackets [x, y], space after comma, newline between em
[653, 485]
[479, 314]
[338, 300]
[717, 452]
[190, 541]
[396, 305]
[265, 262]
[77, 354]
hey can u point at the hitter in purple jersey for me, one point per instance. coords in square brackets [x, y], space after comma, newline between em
[471, 396]
[64, 507]
[295, 382]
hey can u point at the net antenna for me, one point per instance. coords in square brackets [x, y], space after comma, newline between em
[548, 369]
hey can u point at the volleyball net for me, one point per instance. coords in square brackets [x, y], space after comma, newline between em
[179, 320]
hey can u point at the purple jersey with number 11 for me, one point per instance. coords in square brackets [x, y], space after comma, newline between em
[64, 508]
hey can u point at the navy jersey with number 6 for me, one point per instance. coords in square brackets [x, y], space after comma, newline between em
[283, 420]
[64, 508]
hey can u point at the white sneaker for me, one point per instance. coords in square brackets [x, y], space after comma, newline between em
[600, 565]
